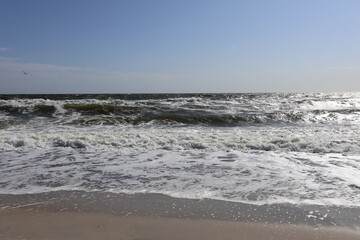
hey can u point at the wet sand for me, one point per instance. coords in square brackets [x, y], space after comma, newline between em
[40, 224]
[80, 215]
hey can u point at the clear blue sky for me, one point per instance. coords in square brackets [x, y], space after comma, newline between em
[132, 46]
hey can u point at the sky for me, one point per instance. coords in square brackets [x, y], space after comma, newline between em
[168, 46]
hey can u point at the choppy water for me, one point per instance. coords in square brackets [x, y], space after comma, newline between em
[258, 148]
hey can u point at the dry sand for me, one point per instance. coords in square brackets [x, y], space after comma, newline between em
[25, 223]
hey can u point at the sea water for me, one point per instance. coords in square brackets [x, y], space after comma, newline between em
[254, 148]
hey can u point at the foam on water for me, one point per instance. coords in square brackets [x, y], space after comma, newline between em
[258, 177]
[214, 109]
[258, 148]
[315, 139]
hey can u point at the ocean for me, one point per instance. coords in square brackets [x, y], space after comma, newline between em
[299, 148]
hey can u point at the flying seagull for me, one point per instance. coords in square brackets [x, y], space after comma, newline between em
[25, 73]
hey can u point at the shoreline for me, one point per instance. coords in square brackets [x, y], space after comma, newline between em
[159, 205]
[103, 215]
[150, 216]
[43, 224]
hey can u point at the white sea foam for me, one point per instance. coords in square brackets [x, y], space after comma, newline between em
[258, 177]
[318, 139]
[294, 148]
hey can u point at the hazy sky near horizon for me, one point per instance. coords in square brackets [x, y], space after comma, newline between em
[89, 46]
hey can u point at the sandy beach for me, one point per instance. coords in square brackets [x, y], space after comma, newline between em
[80, 215]
[37, 224]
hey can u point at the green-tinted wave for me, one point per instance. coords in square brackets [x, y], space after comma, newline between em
[106, 108]
[9, 109]
[217, 120]
[44, 110]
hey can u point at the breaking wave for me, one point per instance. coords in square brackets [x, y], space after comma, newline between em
[258, 148]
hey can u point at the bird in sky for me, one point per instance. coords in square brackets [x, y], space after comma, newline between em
[25, 73]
